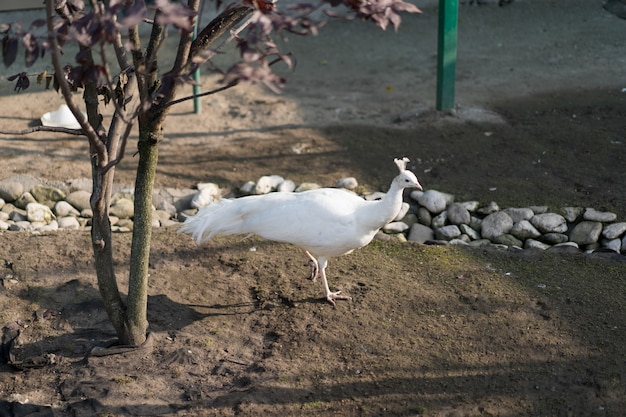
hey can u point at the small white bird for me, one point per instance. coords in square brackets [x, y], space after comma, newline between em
[326, 222]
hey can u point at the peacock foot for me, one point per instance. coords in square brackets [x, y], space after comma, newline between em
[332, 296]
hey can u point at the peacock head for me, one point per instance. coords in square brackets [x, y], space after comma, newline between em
[406, 179]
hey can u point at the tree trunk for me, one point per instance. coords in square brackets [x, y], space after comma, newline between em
[142, 233]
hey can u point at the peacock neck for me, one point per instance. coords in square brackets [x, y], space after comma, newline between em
[382, 211]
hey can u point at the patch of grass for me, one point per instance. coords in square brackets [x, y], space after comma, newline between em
[123, 380]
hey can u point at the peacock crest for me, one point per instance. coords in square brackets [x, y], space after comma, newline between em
[401, 163]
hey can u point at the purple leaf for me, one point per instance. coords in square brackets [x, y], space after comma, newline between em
[9, 50]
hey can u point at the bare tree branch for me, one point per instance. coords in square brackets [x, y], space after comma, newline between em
[88, 131]
[75, 132]
[217, 27]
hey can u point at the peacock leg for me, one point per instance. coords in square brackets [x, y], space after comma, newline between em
[314, 266]
[328, 294]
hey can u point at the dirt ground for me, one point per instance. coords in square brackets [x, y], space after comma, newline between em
[236, 329]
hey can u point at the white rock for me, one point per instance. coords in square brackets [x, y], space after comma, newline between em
[614, 230]
[206, 195]
[349, 183]
[403, 211]
[395, 227]
[63, 209]
[70, 223]
[4, 225]
[123, 208]
[79, 199]
[305, 186]
[286, 186]
[267, 183]
[50, 227]
[36, 212]
[549, 223]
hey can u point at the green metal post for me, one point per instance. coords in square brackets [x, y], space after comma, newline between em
[446, 53]
[197, 103]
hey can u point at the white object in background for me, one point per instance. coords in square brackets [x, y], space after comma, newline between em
[62, 117]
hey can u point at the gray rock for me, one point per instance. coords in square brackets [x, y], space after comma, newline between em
[36, 212]
[10, 190]
[434, 201]
[44, 192]
[480, 242]
[17, 215]
[447, 232]
[525, 230]
[476, 223]
[123, 208]
[409, 219]
[549, 223]
[539, 209]
[508, 240]
[586, 232]
[161, 215]
[167, 207]
[613, 231]
[424, 217]
[624, 244]
[24, 200]
[79, 199]
[458, 214]
[440, 220]
[519, 214]
[572, 214]
[535, 244]
[68, 223]
[470, 232]
[488, 209]
[64, 209]
[349, 183]
[420, 233]
[613, 244]
[598, 216]
[496, 224]
[247, 188]
[565, 247]
[553, 238]
[470, 206]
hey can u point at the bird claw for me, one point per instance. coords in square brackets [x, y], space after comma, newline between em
[332, 296]
[314, 270]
